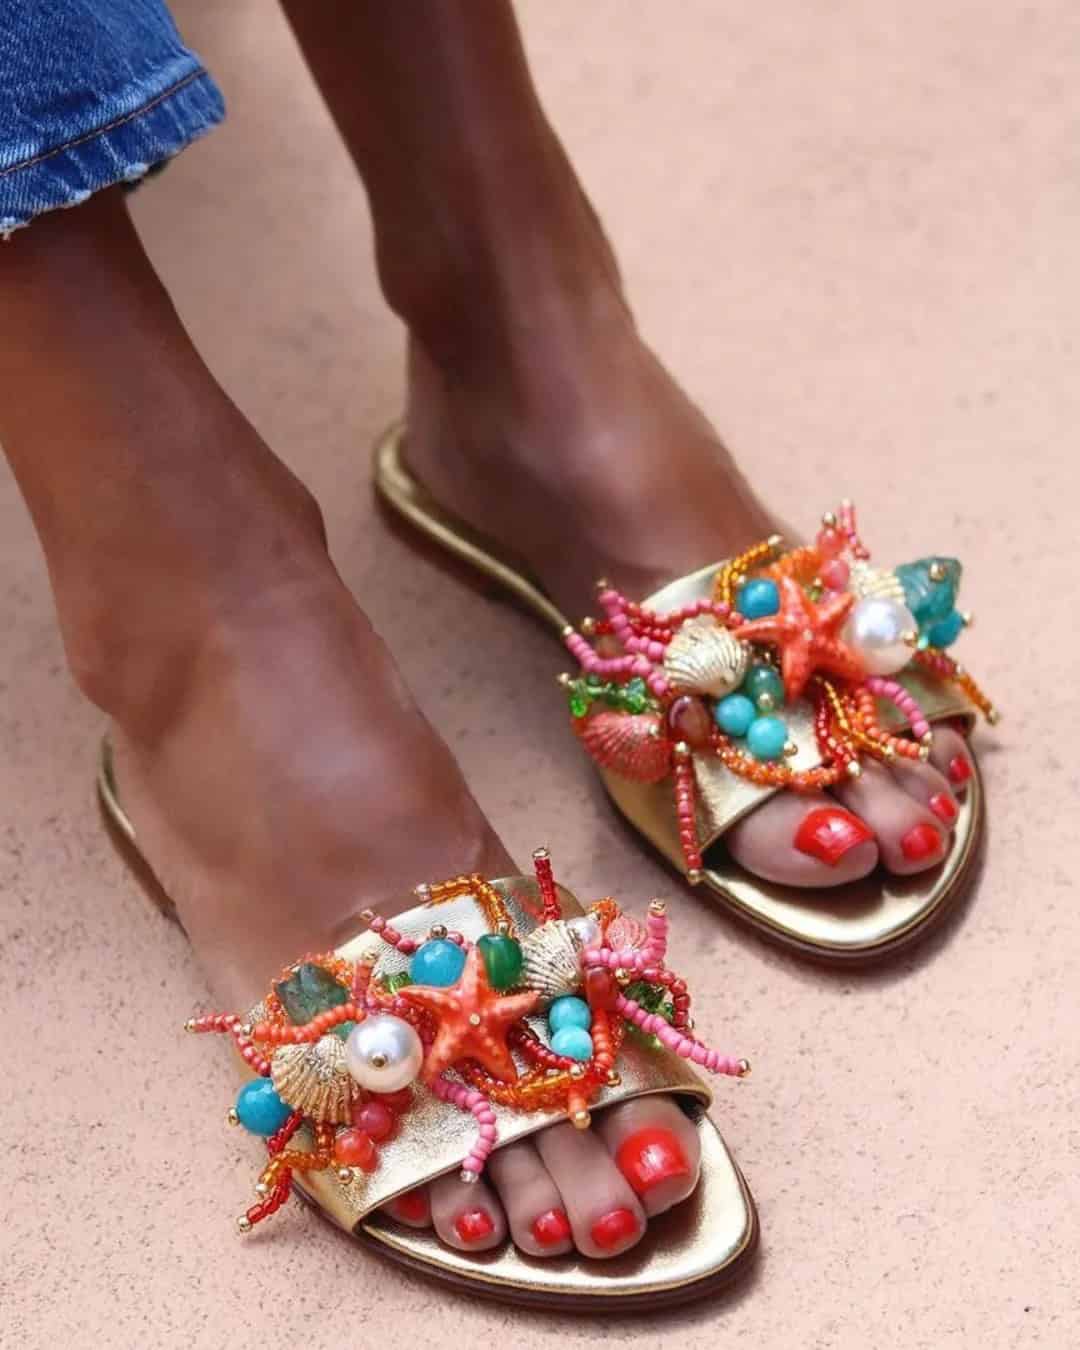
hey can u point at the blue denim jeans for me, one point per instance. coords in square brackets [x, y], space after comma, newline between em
[92, 93]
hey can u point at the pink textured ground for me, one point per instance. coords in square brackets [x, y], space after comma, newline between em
[852, 229]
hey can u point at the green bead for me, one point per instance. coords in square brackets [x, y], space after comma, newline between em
[502, 959]
[594, 681]
[636, 695]
[308, 991]
[579, 705]
[761, 679]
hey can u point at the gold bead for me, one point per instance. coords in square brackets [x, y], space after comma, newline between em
[622, 975]
[189, 1025]
[829, 520]
[566, 630]
[261, 1188]
[577, 1071]
[541, 854]
[469, 1178]
[682, 750]
[503, 928]
[602, 584]
[244, 1223]
[437, 931]
[695, 876]
[924, 753]
[909, 637]
[657, 908]
[927, 739]
[423, 893]
[474, 1021]
[790, 749]
[246, 1030]
[937, 571]
[854, 769]
[231, 1117]
[889, 754]
[613, 1079]
[581, 1120]
[967, 617]
[564, 680]
[993, 716]
[344, 1175]
[766, 702]
[744, 1068]
[366, 916]
[776, 542]
[588, 625]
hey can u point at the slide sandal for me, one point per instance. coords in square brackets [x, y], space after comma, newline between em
[652, 712]
[341, 1030]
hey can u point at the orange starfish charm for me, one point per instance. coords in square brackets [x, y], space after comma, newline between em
[473, 1020]
[807, 637]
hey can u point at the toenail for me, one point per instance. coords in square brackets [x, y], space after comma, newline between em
[551, 1228]
[474, 1225]
[649, 1157]
[412, 1206]
[922, 841]
[943, 807]
[610, 1230]
[828, 833]
[959, 769]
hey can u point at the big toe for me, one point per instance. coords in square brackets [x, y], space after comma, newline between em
[910, 836]
[804, 839]
[656, 1148]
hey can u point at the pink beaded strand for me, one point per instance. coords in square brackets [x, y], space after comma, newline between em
[469, 1099]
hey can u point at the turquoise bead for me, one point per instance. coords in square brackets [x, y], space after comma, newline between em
[569, 1011]
[928, 599]
[573, 1042]
[761, 680]
[945, 632]
[734, 714]
[766, 738]
[438, 961]
[260, 1109]
[759, 598]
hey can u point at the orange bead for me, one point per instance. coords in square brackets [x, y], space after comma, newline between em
[354, 1148]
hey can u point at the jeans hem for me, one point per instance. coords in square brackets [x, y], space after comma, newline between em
[122, 151]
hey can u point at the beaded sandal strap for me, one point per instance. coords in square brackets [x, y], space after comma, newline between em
[485, 1013]
[776, 669]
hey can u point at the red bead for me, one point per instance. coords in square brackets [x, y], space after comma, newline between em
[376, 1120]
[689, 721]
[601, 988]
[830, 542]
[354, 1148]
[397, 1101]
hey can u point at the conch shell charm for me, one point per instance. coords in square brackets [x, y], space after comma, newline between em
[703, 658]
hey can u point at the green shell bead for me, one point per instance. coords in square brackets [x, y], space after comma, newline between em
[930, 587]
[502, 959]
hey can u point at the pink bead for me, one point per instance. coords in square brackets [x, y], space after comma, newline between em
[830, 542]
[487, 1131]
[836, 574]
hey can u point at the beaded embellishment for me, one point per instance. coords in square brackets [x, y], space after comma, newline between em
[340, 1050]
[817, 623]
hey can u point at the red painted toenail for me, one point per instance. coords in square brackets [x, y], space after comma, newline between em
[413, 1206]
[611, 1230]
[828, 833]
[551, 1228]
[921, 842]
[959, 769]
[649, 1157]
[474, 1225]
[943, 807]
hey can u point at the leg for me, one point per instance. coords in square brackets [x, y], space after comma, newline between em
[279, 776]
[532, 396]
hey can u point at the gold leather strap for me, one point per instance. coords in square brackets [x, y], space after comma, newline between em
[434, 1137]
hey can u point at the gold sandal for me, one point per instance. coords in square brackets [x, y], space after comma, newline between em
[844, 718]
[310, 1083]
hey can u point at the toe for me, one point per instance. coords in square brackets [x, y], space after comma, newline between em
[605, 1215]
[950, 755]
[909, 835]
[466, 1216]
[534, 1209]
[929, 787]
[803, 839]
[412, 1208]
[655, 1147]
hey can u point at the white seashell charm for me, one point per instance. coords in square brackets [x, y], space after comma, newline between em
[703, 658]
[869, 581]
[314, 1079]
[551, 961]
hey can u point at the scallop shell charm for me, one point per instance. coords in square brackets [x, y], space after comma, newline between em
[314, 1079]
[703, 658]
[632, 745]
[867, 581]
[551, 961]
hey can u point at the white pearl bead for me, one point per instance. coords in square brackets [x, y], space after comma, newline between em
[383, 1053]
[875, 629]
[585, 930]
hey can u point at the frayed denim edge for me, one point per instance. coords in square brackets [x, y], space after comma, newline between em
[124, 151]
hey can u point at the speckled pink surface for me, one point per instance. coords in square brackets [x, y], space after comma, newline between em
[853, 231]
